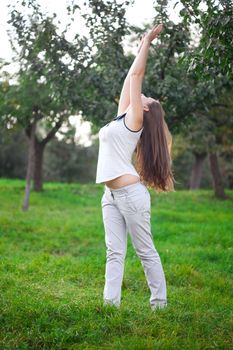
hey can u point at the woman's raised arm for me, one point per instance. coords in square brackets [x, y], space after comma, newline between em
[137, 74]
[133, 80]
[124, 100]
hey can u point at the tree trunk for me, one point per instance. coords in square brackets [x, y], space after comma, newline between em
[30, 165]
[196, 175]
[38, 167]
[39, 152]
[230, 181]
[216, 176]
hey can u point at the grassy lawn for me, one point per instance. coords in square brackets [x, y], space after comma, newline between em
[53, 264]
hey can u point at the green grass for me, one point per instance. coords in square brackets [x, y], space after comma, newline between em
[53, 264]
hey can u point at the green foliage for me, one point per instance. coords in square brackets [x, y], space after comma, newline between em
[50, 66]
[52, 273]
[192, 104]
[183, 95]
[13, 148]
[214, 55]
[69, 162]
[58, 77]
[107, 27]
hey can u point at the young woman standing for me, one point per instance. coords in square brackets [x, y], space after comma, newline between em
[126, 204]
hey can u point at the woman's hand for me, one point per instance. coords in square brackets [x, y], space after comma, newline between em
[153, 33]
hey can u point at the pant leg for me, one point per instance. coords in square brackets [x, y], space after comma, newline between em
[139, 230]
[136, 211]
[116, 248]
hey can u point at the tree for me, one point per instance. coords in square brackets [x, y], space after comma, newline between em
[213, 58]
[107, 26]
[186, 98]
[40, 100]
[211, 61]
[49, 89]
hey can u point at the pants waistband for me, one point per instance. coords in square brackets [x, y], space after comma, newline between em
[123, 189]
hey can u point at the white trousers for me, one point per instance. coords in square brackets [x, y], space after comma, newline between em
[127, 210]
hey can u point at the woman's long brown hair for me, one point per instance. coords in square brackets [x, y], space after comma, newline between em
[153, 151]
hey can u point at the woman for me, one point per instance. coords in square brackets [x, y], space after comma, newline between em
[139, 125]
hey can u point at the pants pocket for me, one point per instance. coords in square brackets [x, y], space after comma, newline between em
[139, 201]
[102, 199]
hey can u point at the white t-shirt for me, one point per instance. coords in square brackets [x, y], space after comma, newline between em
[117, 143]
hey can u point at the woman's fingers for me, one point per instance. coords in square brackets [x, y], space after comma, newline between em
[158, 28]
[154, 32]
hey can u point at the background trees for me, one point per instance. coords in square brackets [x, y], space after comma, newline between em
[59, 77]
[211, 62]
[52, 82]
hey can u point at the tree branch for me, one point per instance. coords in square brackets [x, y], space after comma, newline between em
[52, 132]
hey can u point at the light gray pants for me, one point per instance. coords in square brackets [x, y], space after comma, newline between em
[127, 209]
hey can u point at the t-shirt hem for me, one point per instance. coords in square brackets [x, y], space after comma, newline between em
[114, 176]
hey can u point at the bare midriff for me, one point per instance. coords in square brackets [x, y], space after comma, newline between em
[123, 180]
